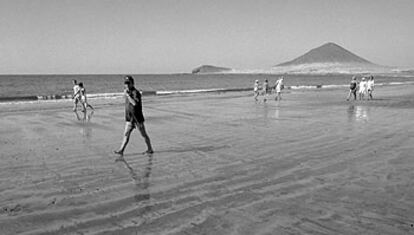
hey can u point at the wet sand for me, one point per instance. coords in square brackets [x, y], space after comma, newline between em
[310, 164]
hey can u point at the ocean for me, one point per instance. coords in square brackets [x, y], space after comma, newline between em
[33, 87]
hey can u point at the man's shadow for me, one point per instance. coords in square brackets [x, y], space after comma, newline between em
[141, 180]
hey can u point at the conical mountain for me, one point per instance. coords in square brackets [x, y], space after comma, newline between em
[327, 53]
[329, 58]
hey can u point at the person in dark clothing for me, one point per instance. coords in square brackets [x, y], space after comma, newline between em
[133, 116]
[352, 88]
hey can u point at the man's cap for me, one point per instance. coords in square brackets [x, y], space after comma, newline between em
[128, 79]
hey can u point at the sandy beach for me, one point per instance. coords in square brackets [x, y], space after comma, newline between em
[310, 164]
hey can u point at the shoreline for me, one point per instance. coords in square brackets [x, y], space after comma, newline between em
[111, 96]
[165, 85]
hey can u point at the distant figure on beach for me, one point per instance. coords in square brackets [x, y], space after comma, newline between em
[133, 116]
[83, 99]
[352, 88]
[265, 90]
[76, 95]
[362, 88]
[256, 89]
[279, 86]
[370, 86]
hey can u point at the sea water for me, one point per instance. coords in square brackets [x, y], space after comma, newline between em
[21, 87]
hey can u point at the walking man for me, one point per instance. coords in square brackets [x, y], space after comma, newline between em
[133, 115]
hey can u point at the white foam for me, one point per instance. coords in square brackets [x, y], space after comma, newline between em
[34, 102]
[334, 86]
[400, 83]
[302, 87]
[189, 91]
[105, 95]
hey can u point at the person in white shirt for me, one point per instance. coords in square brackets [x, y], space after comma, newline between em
[279, 86]
[362, 88]
[370, 86]
[256, 90]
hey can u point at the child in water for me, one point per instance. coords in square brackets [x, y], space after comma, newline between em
[76, 95]
[83, 98]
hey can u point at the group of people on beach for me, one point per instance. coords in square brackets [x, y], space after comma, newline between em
[364, 88]
[134, 118]
[265, 90]
[79, 96]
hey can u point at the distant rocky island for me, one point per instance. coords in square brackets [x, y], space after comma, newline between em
[210, 69]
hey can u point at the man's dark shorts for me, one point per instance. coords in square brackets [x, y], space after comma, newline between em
[136, 117]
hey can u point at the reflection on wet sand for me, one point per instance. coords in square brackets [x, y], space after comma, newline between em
[277, 116]
[86, 118]
[358, 113]
[268, 112]
[142, 184]
[315, 170]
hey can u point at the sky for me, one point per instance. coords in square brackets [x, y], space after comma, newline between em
[175, 36]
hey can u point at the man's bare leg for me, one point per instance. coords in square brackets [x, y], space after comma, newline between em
[146, 137]
[127, 133]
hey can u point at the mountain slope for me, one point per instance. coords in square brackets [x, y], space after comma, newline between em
[327, 53]
[329, 58]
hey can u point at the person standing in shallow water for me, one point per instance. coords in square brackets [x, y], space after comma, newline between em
[362, 88]
[256, 90]
[133, 116]
[370, 86]
[83, 98]
[76, 95]
[279, 86]
[265, 90]
[352, 88]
